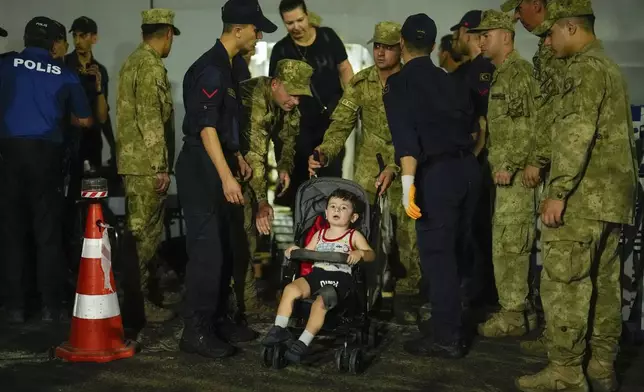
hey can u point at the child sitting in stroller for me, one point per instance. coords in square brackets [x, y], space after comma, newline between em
[328, 281]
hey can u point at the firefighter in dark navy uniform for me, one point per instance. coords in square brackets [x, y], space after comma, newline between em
[208, 190]
[429, 115]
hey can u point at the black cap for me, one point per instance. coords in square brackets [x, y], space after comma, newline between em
[419, 28]
[3, 32]
[246, 12]
[84, 25]
[45, 28]
[470, 20]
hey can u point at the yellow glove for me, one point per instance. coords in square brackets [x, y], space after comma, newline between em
[409, 196]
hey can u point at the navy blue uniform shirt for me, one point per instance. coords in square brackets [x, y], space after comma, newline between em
[428, 111]
[36, 92]
[210, 96]
[477, 75]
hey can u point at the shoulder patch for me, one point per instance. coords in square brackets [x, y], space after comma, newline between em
[349, 104]
[485, 77]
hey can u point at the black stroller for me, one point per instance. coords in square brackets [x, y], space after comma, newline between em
[350, 320]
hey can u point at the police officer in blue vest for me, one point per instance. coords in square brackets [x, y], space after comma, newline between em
[36, 93]
[429, 115]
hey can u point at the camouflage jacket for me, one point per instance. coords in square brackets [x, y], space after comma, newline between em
[511, 116]
[593, 161]
[262, 119]
[548, 72]
[362, 100]
[144, 115]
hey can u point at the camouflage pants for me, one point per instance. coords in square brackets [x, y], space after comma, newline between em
[244, 244]
[580, 289]
[405, 260]
[145, 218]
[511, 249]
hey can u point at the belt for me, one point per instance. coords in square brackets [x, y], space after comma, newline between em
[432, 159]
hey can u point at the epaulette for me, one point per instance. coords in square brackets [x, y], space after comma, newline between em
[360, 76]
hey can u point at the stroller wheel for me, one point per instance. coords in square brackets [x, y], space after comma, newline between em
[267, 356]
[342, 359]
[279, 361]
[373, 335]
[356, 361]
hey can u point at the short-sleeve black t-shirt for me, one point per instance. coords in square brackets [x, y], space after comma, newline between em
[477, 74]
[324, 55]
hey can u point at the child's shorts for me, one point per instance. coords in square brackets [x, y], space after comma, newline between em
[341, 281]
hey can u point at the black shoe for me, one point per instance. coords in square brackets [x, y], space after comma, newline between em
[277, 335]
[200, 337]
[52, 315]
[296, 352]
[235, 332]
[427, 347]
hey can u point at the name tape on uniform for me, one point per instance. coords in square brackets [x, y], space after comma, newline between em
[37, 66]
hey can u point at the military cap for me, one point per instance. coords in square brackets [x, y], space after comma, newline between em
[470, 20]
[559, 9]
[45, 28]
[159, 16]
[315, 19]
[510, 5]
[84, 25]
[387, 33]
[3, 32]
[419, 28]
[295, 75]
[246, 12]
[493, 19]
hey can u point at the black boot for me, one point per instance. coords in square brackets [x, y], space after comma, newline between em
[235, 331]
[200, 337]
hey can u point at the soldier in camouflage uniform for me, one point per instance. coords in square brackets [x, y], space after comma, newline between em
[362, 100]
[145, 136]
[511, 115]
[270, 110]
[547, 71]
[593, 177]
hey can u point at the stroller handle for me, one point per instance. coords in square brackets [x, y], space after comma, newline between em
[327, 257]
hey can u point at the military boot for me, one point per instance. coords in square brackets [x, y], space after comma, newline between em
[555, 378]
[503, 324]
[156, 314]
[536, 348]
[602, 376]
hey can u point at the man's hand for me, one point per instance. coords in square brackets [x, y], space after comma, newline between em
[264, 218]
[409, 197]
[96, 72]
[288, 251]
[552, 212]
[314, 165]
[355, 257]
[384, 181]
[245, 171]
[233, 191]
[531, 176]
[285, 183]
[163, 183]
[502, 178]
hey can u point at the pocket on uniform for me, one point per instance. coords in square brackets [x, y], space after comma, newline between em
[514, 239]
[568, 252]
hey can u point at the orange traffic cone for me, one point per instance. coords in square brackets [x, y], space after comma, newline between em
[96, 329]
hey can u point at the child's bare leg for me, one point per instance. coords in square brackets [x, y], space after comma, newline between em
[298, 289]
[316, 318]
